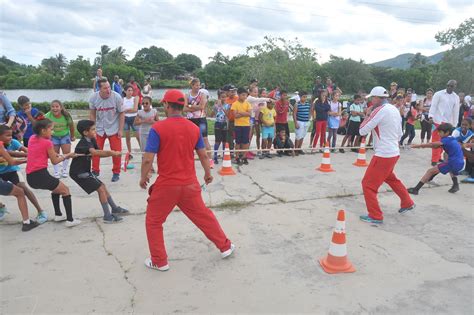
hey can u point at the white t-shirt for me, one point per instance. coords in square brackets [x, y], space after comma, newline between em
[129, 103]
[445, 108]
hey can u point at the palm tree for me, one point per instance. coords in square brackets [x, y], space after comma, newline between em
[117, 56]
[102, 55]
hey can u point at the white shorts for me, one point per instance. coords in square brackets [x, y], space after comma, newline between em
[301, 131]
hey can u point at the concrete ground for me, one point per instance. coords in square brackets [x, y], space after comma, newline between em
[280, 214]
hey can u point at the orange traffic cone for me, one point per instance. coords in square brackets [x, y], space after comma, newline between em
[326, 162]
[361, 161]
[336, 261]
[226, 163]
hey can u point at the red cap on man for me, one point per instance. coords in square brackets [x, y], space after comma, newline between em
[173, 96]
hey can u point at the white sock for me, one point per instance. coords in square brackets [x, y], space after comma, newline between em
[56, 168]
[65, 165]
[27, 221]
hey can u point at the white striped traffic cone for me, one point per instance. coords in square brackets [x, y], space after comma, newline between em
[326, 161]
[361, 160]
[336, 261]
[226, 163]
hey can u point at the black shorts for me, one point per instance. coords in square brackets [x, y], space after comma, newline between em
[242, 134]
[353, 128]
[11, 177]
[5, 188]
[220, 135]
[87, 181]
[41, 179]
[202, 124]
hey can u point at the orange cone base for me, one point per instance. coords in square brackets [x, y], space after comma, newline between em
[325, 169]
[360, 163]
[225, 172]
[329, 268]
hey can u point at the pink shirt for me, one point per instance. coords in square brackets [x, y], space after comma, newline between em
[37, 158]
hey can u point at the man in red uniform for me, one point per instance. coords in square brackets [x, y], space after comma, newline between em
[174, 141]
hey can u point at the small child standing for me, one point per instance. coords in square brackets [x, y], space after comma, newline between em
[145, 118]
[412, 116]
[334, 119]
[9, 173]
[63, 134]
[81, 170]
[356, 113]
[242, 111]
[282, 107]
[322, 108]
[301, 116]
[221, 124]
[39, 151]
[29, 114]
[453, 165]
[282, 141]
[267, 119]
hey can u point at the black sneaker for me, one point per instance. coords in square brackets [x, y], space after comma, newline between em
[120, 211]
[354, 150]
[268, 156]
[342, 150]
[29, 226]
[245, 161]
[454, 189]
[302, 152]
[412, 191]
[130, 157]
[96, 174]
[238, 161]
[403, 210]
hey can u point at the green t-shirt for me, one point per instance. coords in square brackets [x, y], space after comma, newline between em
[61, 125]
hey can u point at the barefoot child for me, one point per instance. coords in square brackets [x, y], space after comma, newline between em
[8, 189]
[40, 149]
[9, 173]
[453, 165]
[63, 134]
[81, 170]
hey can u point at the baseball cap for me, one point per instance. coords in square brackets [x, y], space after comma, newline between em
[378, 91]
[174, 96]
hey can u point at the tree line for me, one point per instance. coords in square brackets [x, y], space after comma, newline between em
[274, 62]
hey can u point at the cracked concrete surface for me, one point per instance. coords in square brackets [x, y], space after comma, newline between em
[280, 213]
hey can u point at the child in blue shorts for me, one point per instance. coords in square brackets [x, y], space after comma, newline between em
[267, 119]
[453, 165]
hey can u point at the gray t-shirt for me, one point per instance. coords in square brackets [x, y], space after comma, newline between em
[107, 113]
[145, 127]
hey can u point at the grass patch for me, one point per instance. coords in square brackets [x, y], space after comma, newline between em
[232, 204]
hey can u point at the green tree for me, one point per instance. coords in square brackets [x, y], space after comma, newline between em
[188, 62]
[123, 71]
[55, 65]
[78, 73]
[117, 56]
[457, 63]
[101, 59]
[418, 61]
[349, 75]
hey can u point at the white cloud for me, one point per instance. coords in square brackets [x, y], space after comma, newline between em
[367, 29]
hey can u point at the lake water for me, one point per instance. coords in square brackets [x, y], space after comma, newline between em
[74, 95]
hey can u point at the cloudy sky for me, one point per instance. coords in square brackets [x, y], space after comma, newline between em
[371, 30]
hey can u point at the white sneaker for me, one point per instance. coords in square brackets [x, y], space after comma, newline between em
[56, 175]
[73, 223]
[64, 174]
[228, 252]
[150, 265]
[59, 218]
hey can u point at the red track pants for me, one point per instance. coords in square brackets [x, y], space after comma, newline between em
[188, 198]
[380, 170]
[436, 152]
[115, 145]
[321, 127]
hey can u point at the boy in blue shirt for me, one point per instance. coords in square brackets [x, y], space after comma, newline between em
[28, 113]
[9, 173]
[453, 165]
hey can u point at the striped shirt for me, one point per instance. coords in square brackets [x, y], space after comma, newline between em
[303, 112]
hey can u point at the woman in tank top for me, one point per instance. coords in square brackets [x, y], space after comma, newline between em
[130, 108]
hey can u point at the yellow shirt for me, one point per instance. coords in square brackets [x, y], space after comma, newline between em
[242, 107]
[268, 116]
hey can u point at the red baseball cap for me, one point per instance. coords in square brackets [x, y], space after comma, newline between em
[173, 96]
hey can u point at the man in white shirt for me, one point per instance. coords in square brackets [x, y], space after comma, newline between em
[444, 109]
[386, 126]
